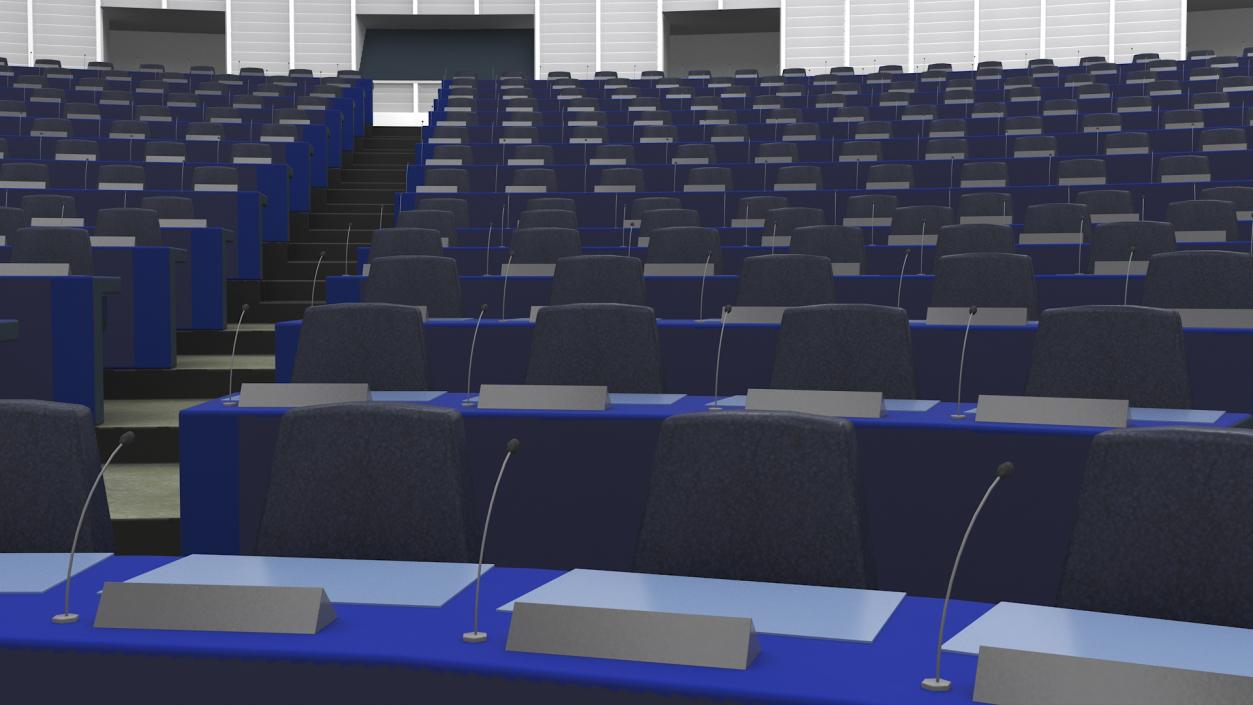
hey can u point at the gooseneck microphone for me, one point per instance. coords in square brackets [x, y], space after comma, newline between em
[68, 617]
[900, 282]
[230, 372]
[504, 287]
[487, 251]
[475, 636]
[347, 244]
[704, 273]
[313, 288]
[922, 242]
[774, 237]
[1079, 269]
[957, 414]
[726, 311]
[474, 339]
[938, 684]
[1126, 280]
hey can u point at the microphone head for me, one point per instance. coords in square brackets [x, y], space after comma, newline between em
[483, 308]
[126, 438]
[974, 310]
[726, 309]
[513, 445]
[322, 253]
[1005, 469]
[245, 307]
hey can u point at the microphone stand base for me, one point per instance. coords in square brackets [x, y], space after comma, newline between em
[230, 403]
[477, 638]
[936, 685]
[714, 407]
[66, 618]
[467, 402]
[957, 417]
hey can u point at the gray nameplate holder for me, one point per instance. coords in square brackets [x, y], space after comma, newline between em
[1098, 218]
[24, 184]
[1200, 236]
[630, 635]
[526, 188]
[1053, 411]
[666, 269]
[9, 269]
[1216, 317]
[748, 222]
[56, 222]
[1120, 267]
[119, 186]
[184, 223]
[756, 314]
[425, 188]
[112, 241]
[1081, 180]
[846, 269]
[216, 187]
[214, 608]
[776, 240]
[434, 161]
[607, 161]
[614, 188]
[550, 397]
[795, 186]
[1010, 676]
[523, 162]
[252, 395]
[875, 222]
[527, 270]
[853, 405]
[880, 185]
[696, 188]
[983, 183]
[1074, 238]
[926, 239]
[987, 219]
[987, 316]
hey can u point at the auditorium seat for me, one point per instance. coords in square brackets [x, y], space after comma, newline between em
[984, 175]
[144, 224]
[715, 177]
[785, 280]
[1151, 541]
[44, 245]
[920, 220]
[1116, 242]
[988, 207]
[686, 244]
[1081, 172]
[890, 176]
[614, 345]
[863, 208]
[378, 344]
[1239, 196]
[842, 244]
[654, 219]
[52, 463]
[544, 245]
[548, 218]
[989, 279]
[551, 203]
[1183, 168]
[162, 151]
[530, 154]
[623, 179]
[369, 482]
[456, 180]
[77, 150]
[29, 175]
[444, 222]
[415, 280]
[1200, 279]
[782, 221]
[1108, 205]
[1112, 352]
[459, 208]
[47, 205]
[534, 180]
[11, 220]
[716, 510]
[391, 242]
[860, 151]
[215, 178]
[1057, 219]
[756, 207]
[974, 237]
[598, 279]
[1206, 220]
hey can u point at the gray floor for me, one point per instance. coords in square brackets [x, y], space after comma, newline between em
[142, 490]
[222, 362]
[144, 413]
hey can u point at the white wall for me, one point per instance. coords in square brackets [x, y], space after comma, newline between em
[1227, 32]
[178, 51]
[723, 53]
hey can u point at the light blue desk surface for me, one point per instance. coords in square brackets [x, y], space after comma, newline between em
[39, 572]
[775, 608]
[914, 405]
[1112, 637]
[412, 397]
[1137, 413]
[399, 583]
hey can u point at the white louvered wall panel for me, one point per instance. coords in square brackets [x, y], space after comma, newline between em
[259, 35]
[628, 36]
[1009, 31]
[506, 7]
[1147, 25]
[211, 5]
[880, 33]
[445, 7]
[567, 40]
[1074, 29]
[944, 32]
[13, 31]
[385, 7]
[815, 34]
[65, 30]
[393, 97]
[686, 5]
[323, 35]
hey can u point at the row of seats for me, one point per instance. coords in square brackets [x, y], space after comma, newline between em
[35, 175]
[197, 70]
[707, 513]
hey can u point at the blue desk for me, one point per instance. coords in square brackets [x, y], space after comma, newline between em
[571, 504]
[139, 318]
[997, 359]
[8, 330]
[397, 654]
[59, 356]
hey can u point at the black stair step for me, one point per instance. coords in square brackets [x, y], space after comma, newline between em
[178, 383]
[277, 311]
[218, 342]
[303, 271]
[401, 158]
[385, 174]
[323, 204]
[274, 290]
[155, 444]
[387, 144]
[309, 251]
[361, 196]
[367, 221]
[147, 537]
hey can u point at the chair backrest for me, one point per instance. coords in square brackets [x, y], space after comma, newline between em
[758, 206]
[1106, 201]
[144, 224]
[1199, 279]
[415, 280]
[652, 220]
[782, 221]
[1240, 196]
[1058, 218]
[170, 206]
[1132, 239]
[992, 279]
[1162, 527]
[12, 220]
[1111, 352]
[919, 220]
[614, 345]
[876, 205]
[392, 242]
[378, 344]
[443, 222]
[53, 461]
[598, 279]
[755, 496]
[845, 347]
[1211, 216]
[710, 175]
[554, 218]
[369, 481]
[985, 204]
[43, 245]
[785, 280]
[974, 237]
[457, 206]
[48, 205]
[686, 244]
[119, 174]
[838, 243]
[544, 245]
[550, 203]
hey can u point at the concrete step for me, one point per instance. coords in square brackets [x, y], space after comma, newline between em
[195, 377]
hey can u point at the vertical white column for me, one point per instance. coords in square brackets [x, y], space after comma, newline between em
[1111, 56]
[597, 64]
[352, 37]
[661, 37]
[30, 32]
[291, 34]
[229, 45]
[100, 32]
[539, 48]
[1183, 29]
[1044, 18]
[974, 54]
[782, 33]
[848, 32]
[911, 67]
